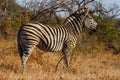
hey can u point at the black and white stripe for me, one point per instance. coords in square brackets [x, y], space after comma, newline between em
[47, 38]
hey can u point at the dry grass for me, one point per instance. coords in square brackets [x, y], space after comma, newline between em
[97, 65]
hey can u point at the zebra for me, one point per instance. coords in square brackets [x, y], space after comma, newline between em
[52, 39]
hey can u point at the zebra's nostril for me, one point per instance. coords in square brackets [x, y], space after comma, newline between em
[96, 25]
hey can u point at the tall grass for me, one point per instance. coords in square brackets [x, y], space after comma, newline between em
[86, 65]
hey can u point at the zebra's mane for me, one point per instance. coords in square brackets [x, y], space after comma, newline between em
[76, 17]
[79, 12]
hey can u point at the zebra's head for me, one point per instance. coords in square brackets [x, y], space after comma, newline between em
[88, 20]
[80, 18]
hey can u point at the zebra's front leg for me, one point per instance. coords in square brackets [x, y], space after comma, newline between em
[67, 56]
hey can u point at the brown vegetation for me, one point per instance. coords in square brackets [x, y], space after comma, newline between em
[94, 65]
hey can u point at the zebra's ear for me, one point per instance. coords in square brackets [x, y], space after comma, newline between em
[87, 12]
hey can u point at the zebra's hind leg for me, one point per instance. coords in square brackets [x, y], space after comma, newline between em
[24, 59]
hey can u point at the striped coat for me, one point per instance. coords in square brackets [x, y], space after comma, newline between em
[62, 38]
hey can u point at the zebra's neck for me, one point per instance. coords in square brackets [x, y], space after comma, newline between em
[74, 23]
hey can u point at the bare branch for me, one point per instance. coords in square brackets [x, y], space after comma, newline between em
[45, 10]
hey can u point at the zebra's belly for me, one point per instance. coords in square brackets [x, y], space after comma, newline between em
[57, 48]
[50, 47]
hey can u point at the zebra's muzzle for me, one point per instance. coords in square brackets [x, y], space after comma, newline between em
[94, 30]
